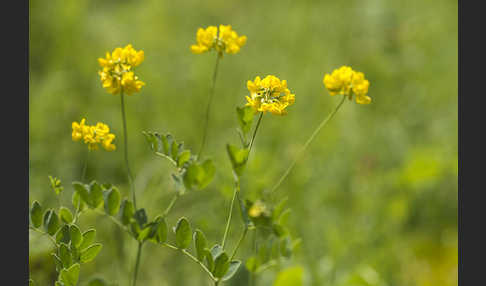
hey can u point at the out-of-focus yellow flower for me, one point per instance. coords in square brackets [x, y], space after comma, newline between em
[117, 72]
[223, 40]
[270, 94]
[258, 209]
[346, 81]
[94, 135]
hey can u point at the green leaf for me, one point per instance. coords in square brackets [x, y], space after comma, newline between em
[199, 175]
[36, 214]
[95, 195]
[57, 262]
[127, 211]
[174, 150]
[292, 276]
[216, 250]
[90, 253]
[88, 238]
[277, 211]
[57, 283]
[161, 235]
[141, 217]
[144, 234]
[63, 235]
[56, 185]
[76, 236]
[284, 218]
[66, 215]
[51, 222]
[70, 276]
[221, 265]
[183, 233]
[233, 267]
[252, 264]
[82, 190]
[244, 213]
[200, 243]
[184, 157]
[112, 200]
[209, 259]
[31, 282]
[152, 140]
[65, 255]
[245, 117]
[238, 158]
[77, 202]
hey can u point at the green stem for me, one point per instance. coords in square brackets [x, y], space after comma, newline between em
[242, 237]
[323, 123]
[85, 167]
[44, 233]
[208, 107]
[125, 143]
[186, 253]
[255, 131]
[226, 231]
[137, 263]
[171, 204]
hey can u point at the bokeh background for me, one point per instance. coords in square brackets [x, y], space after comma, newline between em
[374, 199]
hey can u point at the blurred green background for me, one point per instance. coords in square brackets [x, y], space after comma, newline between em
[374, 199]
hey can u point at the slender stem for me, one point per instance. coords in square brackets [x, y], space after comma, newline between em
[85, 167]
[252, 274]
[44, 233]
[125, 143]
[208, 107]
[171, 204]
[242, 237]
[137, 263]
[226, 231]
[256, 129]
[186, 253]
[323, 123]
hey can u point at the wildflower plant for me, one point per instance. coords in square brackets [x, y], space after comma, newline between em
[266, 216]
[222, 40]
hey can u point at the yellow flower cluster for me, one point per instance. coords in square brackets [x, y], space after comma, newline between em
[93, 135]
[270, 94]
[223, 40]
[346, 81]
[117, 73]
[258, 209]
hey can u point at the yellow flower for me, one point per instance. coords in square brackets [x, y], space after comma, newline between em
[346, 81]
[257, 209]
[270, 94]
[117, 70]
[224, 39]
[93, 135]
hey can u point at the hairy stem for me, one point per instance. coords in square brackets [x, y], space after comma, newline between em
[323, 123]
[208, 107]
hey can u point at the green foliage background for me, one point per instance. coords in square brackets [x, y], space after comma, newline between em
[375, 196]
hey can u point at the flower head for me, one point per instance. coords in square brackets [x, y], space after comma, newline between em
[258, 209]
[224, 39]
[117, 72]
[346, 81]
[270, 94]
[94, 135]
